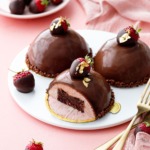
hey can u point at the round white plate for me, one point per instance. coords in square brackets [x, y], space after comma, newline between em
[34, 103]
[4, 10]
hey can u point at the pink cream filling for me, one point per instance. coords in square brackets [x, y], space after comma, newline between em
[67, 112]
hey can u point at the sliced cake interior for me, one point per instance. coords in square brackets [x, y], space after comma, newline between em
[69, 104]
[79, 100]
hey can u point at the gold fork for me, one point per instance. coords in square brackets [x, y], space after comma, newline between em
[112, 141]
[143, 105]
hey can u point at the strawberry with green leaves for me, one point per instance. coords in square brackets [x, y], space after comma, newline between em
[34, 146]
[59, 26]
[128, 36]
[81, 67]
[38, 6]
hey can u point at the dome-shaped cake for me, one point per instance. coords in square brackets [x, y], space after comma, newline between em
[82, 99]
[124, 61]
[54, 49]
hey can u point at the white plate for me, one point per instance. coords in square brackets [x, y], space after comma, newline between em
[4, 10]
[34, 102]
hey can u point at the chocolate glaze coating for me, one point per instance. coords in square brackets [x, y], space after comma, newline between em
[123, 64]
[53, 54]
[98, 92]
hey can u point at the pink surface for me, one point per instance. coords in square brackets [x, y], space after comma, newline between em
[17, 128]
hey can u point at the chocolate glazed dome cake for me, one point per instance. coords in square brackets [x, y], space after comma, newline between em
[124, 61]
[79, 94]
[54, 49]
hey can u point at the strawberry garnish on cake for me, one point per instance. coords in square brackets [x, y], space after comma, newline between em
[80, 67]
[59, 26]
[128, 36]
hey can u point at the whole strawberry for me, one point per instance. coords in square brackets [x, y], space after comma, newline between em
[24, 81]
[38, 6]
[34, 146]
[17, 7]
[56, 2]
[59, 26]
[128, 36]
[80, 67]
[143, 127]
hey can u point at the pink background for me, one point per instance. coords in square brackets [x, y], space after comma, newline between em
[17, 128]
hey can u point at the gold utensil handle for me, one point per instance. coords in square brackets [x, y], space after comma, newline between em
[143, 105]
[121, 142]
[110, 142]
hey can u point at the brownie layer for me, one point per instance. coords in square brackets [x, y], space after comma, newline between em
[72, 101]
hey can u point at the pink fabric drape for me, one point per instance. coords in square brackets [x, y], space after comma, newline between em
[114, 15]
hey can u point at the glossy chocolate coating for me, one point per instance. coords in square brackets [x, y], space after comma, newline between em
[54, 54]
[98, 92]
[124, 64]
